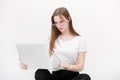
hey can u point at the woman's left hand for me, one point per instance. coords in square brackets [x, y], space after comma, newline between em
[64, 65]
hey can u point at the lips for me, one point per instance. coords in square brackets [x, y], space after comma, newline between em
[60, 28]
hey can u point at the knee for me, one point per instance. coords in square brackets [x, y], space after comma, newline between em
[84, 77]
[42, 74]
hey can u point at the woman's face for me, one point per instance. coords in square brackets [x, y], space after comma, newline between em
[61, 23]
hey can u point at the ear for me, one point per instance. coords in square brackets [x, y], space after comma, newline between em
[69, 18]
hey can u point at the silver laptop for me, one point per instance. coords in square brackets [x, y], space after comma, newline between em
[34, 55]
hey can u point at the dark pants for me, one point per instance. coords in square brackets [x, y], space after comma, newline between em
[44, 74]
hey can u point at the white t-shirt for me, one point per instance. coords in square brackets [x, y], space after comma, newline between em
[67, 51]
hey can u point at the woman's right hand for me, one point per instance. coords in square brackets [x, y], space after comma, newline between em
[23, 66]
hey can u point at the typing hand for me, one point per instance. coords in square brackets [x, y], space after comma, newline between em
[64, 65]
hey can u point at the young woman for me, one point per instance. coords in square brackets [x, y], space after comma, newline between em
[67, 50]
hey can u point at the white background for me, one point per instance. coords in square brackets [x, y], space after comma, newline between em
[29, 21]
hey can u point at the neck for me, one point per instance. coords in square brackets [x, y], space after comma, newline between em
[66, 33]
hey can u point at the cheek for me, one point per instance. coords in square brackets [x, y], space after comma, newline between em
[60, 27]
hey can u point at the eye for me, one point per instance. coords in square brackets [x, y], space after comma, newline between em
[61, 21]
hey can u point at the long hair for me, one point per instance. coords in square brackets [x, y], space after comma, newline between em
[54, 31]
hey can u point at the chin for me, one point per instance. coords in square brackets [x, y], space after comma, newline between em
[61, 31]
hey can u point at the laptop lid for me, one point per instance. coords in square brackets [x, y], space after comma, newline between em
[34, 55]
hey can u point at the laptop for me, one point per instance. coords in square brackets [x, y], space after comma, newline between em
[35, 56]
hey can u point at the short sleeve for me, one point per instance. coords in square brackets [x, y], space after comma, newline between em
[82, 45]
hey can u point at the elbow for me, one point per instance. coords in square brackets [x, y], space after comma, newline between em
[80, 68]
[76, 68]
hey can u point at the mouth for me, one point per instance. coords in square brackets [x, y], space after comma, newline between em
[60, 28]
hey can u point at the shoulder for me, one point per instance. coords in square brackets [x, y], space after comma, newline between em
[81, 38]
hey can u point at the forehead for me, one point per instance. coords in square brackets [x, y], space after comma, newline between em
[59, 18]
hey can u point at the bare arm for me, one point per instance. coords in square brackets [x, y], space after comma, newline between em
[78, 67]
